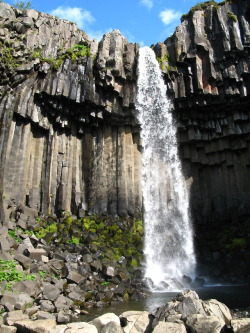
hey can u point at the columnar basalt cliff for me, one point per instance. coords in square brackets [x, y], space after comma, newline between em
[69, 139]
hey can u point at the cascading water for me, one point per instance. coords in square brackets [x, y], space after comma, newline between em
[168, 248]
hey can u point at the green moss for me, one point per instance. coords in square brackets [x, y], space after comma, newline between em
[7, 55]
[74, 240]
[134, 263]
[74, 53]
[44, 230]
[232, 16]
[166, 63]
[238, 243]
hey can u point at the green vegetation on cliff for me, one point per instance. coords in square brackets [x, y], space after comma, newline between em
[204, 5]
[166, 63]
[22, 5]
[74, 53]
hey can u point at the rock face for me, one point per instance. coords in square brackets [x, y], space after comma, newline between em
[69, 141]
[68, 135]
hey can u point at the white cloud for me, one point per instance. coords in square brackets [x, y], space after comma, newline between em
[169, 15]
[97, 34]
[147, 3]
[130, 37]
[74, 14]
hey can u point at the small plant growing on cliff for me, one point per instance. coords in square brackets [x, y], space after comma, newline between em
[164, 63]
[7, 55]
[232, 16]
[23, 5]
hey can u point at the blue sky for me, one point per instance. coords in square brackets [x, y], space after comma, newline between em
[143, 21]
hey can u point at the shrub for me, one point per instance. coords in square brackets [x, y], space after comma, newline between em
[232, 16]
[23, 5]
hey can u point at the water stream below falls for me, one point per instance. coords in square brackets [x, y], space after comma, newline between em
[168, 249]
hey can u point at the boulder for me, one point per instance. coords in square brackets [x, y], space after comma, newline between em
[23, 260]
[103, 320]
[22, 301]
[46, 305]
[36, 254]
[74, 277]
[32, 311]
[4, 244]
[59, 329]
[19, 301]
[45, 315]
[213, 307]
[112, 327]
[63, 317]
[6, 256]
[33, 14]
[168, 327]
[14, 316]
[188, 303]
[87, 258]
[31, 288]
[7, 11]
[136, 321]
[36, 326]
[63, 303]
[241, 325]
[80, 328]
[21, 223]
[199, 323]
[50, 292]
[109, 271]
[8, 329]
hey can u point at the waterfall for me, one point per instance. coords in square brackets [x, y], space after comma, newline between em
[168, 248]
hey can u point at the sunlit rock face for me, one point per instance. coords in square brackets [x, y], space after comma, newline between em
[68, 139]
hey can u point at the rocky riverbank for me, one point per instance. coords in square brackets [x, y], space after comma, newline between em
[56, 268]
[52, 270]
[185, 313]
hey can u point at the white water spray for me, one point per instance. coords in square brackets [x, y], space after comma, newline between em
[168, 248]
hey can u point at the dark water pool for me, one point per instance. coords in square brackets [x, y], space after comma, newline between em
[235, 297]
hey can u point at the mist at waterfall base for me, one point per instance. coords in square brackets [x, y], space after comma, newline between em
[168, 248]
